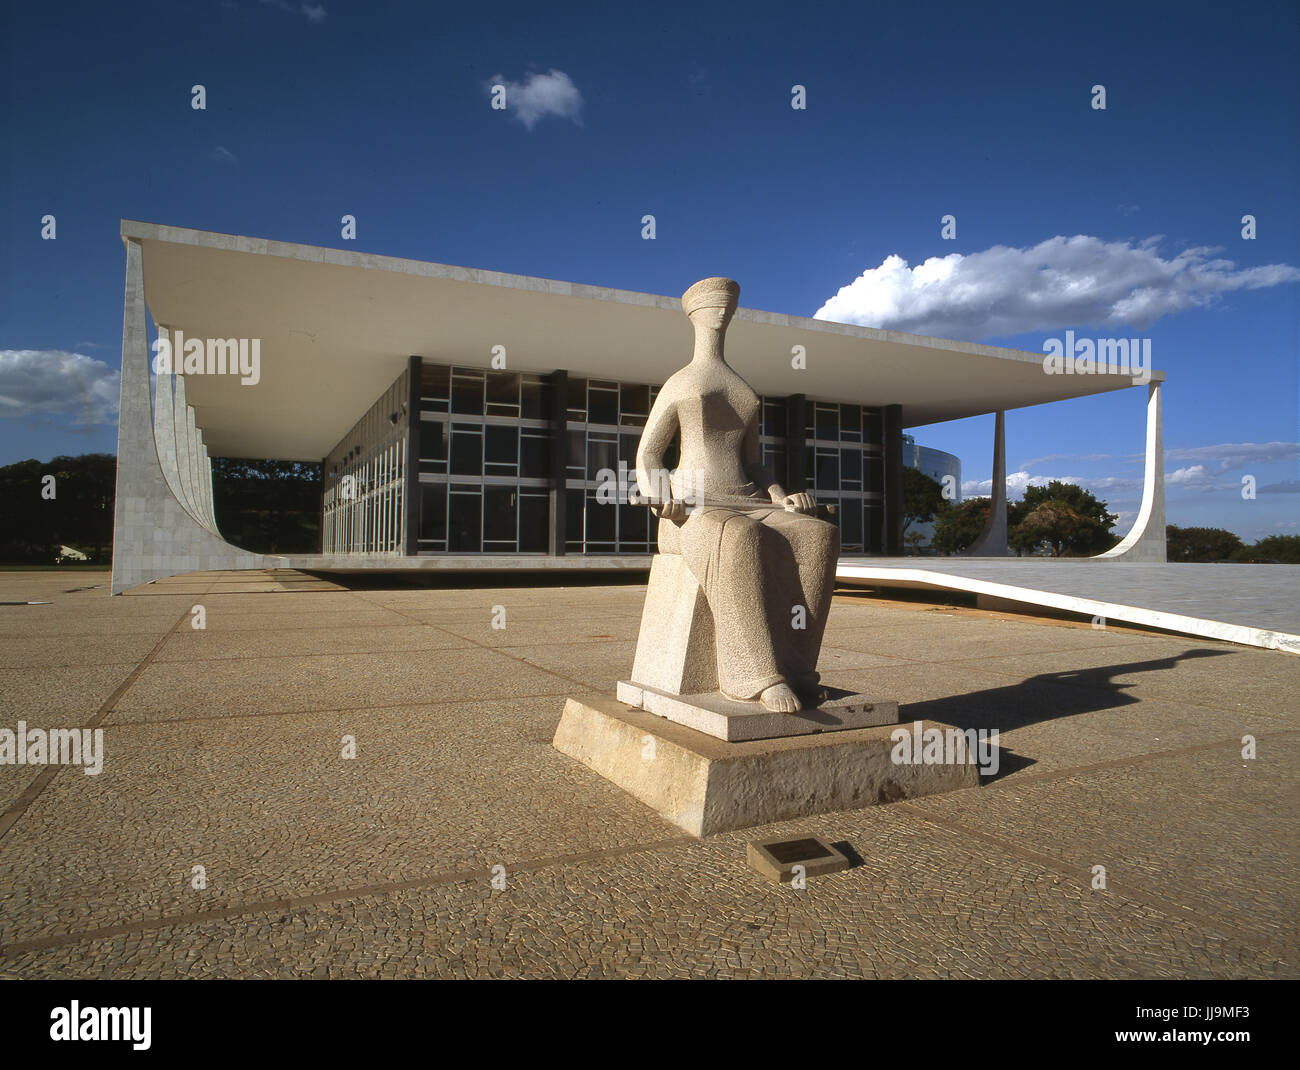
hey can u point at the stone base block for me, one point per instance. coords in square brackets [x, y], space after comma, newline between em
[723, 718]
[706, 786]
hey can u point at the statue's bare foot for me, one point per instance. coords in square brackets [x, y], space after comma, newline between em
[780, 699]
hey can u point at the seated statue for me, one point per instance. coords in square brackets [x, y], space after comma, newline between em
[765, 563]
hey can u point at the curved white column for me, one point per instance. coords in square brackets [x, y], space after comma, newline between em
[1146, 539]
[164, 423]
[154, 534]
[992, 541]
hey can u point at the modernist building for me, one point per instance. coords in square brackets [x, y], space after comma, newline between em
[943, 468]
[467, 418]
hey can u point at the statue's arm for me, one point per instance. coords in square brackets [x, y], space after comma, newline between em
[757, 471]
[651, 472]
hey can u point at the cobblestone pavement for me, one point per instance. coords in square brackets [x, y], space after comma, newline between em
[1121, 749]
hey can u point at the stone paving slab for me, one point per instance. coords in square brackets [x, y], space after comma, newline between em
[1119, 750]
[222, 688]
[1200, 829]
[922, 906]
[269, 808]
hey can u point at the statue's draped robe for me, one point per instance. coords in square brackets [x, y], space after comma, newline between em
[767, 573]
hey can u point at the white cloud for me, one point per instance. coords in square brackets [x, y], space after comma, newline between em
[540, 95]
[53, 381]
[1287, 486]
[1224, 457]
[1062, 282]
[1018, 481]
[1232, 455]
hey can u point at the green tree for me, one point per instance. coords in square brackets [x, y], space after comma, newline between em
[923, 498]
[960, 525]
[1063, 518]
[1284, 549]
[80, 513]
[269, 507]
[1200, 544]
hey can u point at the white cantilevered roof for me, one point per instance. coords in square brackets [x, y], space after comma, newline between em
[336, 327]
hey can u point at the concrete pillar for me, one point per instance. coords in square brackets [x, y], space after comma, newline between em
[559, 444]
[205, 468]
[1145, 541]
[180, 420]
[164, 422]
[192, 459]
[410, 535]
[992, 541]
[154, 535]
[893, 417]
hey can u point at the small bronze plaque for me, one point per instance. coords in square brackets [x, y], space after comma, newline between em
[783, 859]
[790, 851]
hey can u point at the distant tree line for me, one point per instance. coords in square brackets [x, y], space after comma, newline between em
[1064, 520]
[269, 507]
[263, 506]
[73, 508]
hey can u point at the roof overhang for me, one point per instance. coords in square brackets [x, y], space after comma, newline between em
[336, 327]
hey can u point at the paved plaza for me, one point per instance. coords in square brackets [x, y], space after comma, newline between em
[223, 750]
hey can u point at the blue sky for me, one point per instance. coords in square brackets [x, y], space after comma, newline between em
[913, 112]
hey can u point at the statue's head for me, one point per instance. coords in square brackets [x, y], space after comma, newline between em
[712, 302]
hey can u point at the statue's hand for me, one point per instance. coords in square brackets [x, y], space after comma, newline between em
[672, 509]
[800, 503]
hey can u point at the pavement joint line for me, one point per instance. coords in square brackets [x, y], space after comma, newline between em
[44, 778]
[294, 903]
[1013, 781]
[1162, 903]
[498, 650]
[332, 709]
[330, 653]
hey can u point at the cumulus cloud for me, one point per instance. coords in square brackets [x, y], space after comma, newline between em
[1062, 282]
[1018, 481]
[540, 95]
[53, 381]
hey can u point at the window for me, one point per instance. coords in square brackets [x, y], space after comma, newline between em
[433, 516]
[433, 442]
[602, 403]
[467, 393]
[503, 394]
[500, 517]
[466, 450]
[501, 450]
[534, 523]
[465, 519]
[534, 453]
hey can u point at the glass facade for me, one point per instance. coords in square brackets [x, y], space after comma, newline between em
[844, 469]
[363, 486]
[517, 463]
[603, 422]
[484, 460]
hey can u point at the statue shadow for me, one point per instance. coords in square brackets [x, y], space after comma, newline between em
[1048, 696]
